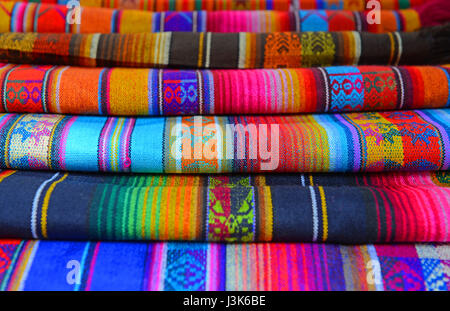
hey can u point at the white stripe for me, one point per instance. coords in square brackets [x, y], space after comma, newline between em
[377, 270]
[357, 37]
[327, 97]
[402, 95]
[160, 93]
[200, 88]
[58, 81]
[29, 263]
[208, 49]
[242, 50]
[302, 178]
[37, 196]
[314, 214]
[94, 45]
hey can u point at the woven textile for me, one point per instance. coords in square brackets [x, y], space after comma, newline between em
[409, 140]
[229, 50]
[33, 17]
[384, 207]
[172, 266]
[218, 5]
[140, 92]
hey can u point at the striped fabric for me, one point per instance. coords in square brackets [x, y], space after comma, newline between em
[140, 92]
[229, 50]
[308, 141]
[199, 267]
[219, 5]
[384, 207]
[34, 17]
[398, 140]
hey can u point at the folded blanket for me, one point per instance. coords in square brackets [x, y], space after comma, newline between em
[229, 50]
[338, 208]
[218, 5]
[399, 140]
[193, 267]
[140, 92]
[33, 17]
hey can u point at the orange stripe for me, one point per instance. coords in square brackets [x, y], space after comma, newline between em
[5, 174]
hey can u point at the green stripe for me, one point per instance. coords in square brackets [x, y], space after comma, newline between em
[157, 212]
[109, 213]
[404, 4]
[98, 234]
[131, 213]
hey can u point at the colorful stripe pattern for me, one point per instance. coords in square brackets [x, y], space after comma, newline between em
[220, 5]
[91, 266]
[34, 17]
[398, 140]
[141, 92]
[228, 50]
[384, 207]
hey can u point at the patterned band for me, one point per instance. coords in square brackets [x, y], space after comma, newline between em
[384, 207]
[140, 92]
[34, 17]
[399, 140]
[229, 50]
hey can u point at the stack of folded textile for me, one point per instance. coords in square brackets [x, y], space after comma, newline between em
[224, 145]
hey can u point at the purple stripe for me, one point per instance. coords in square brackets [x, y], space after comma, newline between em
[356, 146]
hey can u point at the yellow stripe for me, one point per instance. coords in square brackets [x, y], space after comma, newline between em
[311, 182]
[45, 204]
[391, 39]
[268, 227]
[324, 214]
[200, 50]
[144, 212]
[115, 144]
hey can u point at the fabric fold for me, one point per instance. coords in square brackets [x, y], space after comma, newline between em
[229, 50]
[397, 140]
[153, 92]
[34, 17]
[337, 208]
[199, 267]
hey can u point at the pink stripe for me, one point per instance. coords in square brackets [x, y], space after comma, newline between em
[20, 10]
[213, 262]
[156, 271]
[127, 138]
[63, 143]
[103, 144]
[92, 267]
